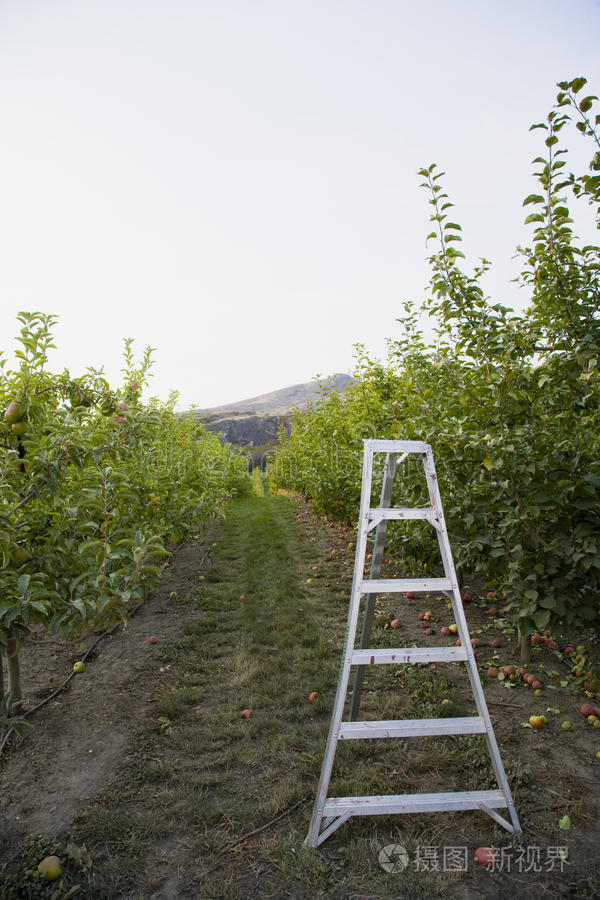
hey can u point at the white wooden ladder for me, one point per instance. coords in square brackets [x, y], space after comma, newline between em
[329, 813]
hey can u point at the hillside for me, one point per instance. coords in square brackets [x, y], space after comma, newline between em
[254, 422]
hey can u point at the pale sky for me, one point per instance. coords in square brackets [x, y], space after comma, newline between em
[234, 183]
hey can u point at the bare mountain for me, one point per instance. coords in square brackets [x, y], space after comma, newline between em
[255, 422]
[279, 403]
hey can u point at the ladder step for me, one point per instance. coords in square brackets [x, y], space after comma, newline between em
[398, 655]
[413, 803]
[392, 585]
[397, 728]
[384, 514]
[401, 512]
[381, 445]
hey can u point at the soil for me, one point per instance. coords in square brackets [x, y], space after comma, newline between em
[83, 735]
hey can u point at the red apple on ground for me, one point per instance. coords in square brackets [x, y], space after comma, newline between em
[445, 631]
[429, 631]
[467, 596]
[395, 624]
[246, 714]
[153, 639]
[588, 710]
[496, 643]
[536, 685]
[314, 696]
[508, 671]
[410, 595]
[486, 856]
[492, 611]
[491, 595]
[242, 597]
[475, 642]
[492, 672]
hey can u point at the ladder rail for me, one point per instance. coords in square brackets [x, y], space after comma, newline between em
[345, 668]
[463, 633]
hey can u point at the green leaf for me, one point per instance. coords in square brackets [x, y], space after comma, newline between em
[564, 823]
[541, 618]
[533, 198]
[534, 217]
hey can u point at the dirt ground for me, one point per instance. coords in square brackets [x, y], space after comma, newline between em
[84, 736]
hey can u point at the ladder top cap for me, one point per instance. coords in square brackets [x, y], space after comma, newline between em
[378, 445]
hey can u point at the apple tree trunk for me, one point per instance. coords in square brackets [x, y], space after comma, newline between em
[525, 648]
[14, 675]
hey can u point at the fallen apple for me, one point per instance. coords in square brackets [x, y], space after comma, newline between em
[537, 722]
[153, 639]
[467, 596]
[566, 725]
[79, 667]
[588, 710]
[49, 868]
[497, 643]
[246, 714]
[429, 631]
[475, 642]
[492, 611]
[242, 597]
[492, 672]
[445, 631]
[314, 696]
[486, 856]
[537, 685]
[453, 628]
[508, 671]
[396, 623]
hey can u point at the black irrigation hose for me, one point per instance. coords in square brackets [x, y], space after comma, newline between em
[61, 687]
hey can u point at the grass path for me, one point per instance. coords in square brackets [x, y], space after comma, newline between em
[185, 814]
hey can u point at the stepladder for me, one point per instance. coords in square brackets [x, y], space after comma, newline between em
[358, 655]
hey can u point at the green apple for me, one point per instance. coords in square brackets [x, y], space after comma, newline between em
[79, 667]
[49, 868]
